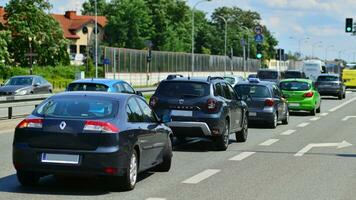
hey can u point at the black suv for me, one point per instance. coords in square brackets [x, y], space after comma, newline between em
[201, 107]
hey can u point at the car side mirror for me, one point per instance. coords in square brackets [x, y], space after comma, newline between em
[139, 93]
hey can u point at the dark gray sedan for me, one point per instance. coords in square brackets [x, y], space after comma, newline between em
[331, 85]
[24, 85]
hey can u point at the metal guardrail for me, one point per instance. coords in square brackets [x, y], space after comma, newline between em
[11, 102]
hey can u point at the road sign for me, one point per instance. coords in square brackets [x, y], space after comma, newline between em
[258, 38]
[258, 30]
[106, 61]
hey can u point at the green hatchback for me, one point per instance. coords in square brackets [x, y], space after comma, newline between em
[301, 95]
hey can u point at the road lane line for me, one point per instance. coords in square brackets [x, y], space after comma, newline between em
[242, 156]
[269, 142]
[153, 198]
[201, 176]
[288, 132]
[342, 105]
[315, 119]
[303, 124]
[324, 114]
[347, 118]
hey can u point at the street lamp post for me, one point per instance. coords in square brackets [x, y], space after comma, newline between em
[193, 13]
[300, 43]
[96, 39]
[313, 47]
[225, 51]
[246, 66]
[326, 51]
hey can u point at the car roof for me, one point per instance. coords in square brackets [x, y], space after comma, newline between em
[297, 79]
[294, 70]
[261, 83]
[193, 79]
[114, 96]
[26, 76]
[335, 75]
[267, 70]
[99, 81]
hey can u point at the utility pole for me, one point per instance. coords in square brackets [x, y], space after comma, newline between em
[225, 50]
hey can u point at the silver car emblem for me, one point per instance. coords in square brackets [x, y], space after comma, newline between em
[181, 101]
[62, 125]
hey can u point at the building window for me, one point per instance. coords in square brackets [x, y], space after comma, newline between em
[73, 49]
[83, 49]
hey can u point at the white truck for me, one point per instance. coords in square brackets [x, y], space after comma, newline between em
[313, 68]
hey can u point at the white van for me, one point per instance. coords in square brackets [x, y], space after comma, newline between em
[313, 68]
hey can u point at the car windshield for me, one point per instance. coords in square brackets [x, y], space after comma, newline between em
[292, 75]
[180, 89]
[76, 108]
[20, 81]
[87, 87]
[267, 75]
[254, 91]
[328, 78]
[295, 86]
[230, 80]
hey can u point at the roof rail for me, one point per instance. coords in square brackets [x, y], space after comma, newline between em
[173, 76]
[210, 78]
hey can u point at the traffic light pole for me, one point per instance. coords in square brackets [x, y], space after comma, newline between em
[244, 59]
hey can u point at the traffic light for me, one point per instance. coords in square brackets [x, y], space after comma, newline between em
[349, 25]
[259, 49]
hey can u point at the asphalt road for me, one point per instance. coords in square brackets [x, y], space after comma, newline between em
[272, 164]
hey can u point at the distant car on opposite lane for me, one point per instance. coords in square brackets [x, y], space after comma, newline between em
[25, 85]
[265, 102]
[91, 134]
[102, 85]
[331, 85]
[301, 95]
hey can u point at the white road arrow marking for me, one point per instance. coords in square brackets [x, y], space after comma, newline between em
[348, 117]
[343, 144]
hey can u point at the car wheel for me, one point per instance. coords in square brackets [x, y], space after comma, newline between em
[274, 122]
[27, 178]
[318, 110]
[130, 177]
[286, 120]
[313, 112]
[340, 96]
[344, 96]
[241, 136]
[222, 141]
[165, 166]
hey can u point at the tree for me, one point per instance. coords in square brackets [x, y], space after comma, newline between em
[129, 24]
[31, 26]
[5, 39]
[88, 7]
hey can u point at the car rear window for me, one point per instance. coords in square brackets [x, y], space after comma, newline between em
[254, 91]
[328, 78]
[295, 86]
[83, 108]
[293, 75]
[180, 89]
[267, 75]
[87, 87]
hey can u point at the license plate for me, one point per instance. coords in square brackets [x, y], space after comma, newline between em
[60, 158]
[182, 113]
[294, 104]
[252, 114]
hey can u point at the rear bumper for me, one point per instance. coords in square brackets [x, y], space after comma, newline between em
[190, 128]
[307, 105]
[261, 115]
[330, 91]
[91, 163]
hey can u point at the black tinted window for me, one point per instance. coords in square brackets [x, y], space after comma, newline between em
[178, 89]
[218, 90]
[328, 78]
[87, 87]
[147, 112]
[226, 90]
[232, 93]
[295, 86]
[254, 91]
[134, 112]
[267, 75]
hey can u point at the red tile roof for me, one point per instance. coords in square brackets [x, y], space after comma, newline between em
[2, 13]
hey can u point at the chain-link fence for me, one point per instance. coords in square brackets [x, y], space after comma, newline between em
[119, 60]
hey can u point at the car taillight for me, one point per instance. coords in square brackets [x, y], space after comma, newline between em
[153, 101]
[31, 123]
[99, 126]
[269, 102]
[211, 105]
[309, 94]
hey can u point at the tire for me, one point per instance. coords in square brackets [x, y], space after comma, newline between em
[344, 96]
[286, 120]
[313, 112]
[222, 142]
[274, 122]
[165, 166]
[318, 110]
[340, 96]
[129, 180]
[27, 178]
[241, 136]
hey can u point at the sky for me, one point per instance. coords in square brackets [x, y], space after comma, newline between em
[291, 21]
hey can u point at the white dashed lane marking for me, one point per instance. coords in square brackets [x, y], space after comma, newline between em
[242, 156]
[303, 124]
[288, 132]
[324, 114]
[315, 119]
[155, 198]
[269, 142]
[201, 176]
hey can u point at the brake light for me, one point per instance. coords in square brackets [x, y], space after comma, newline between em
[99, 126]
[211, 105]
[31, 123]
[153, 101]
[269, 102]
[309, 94]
